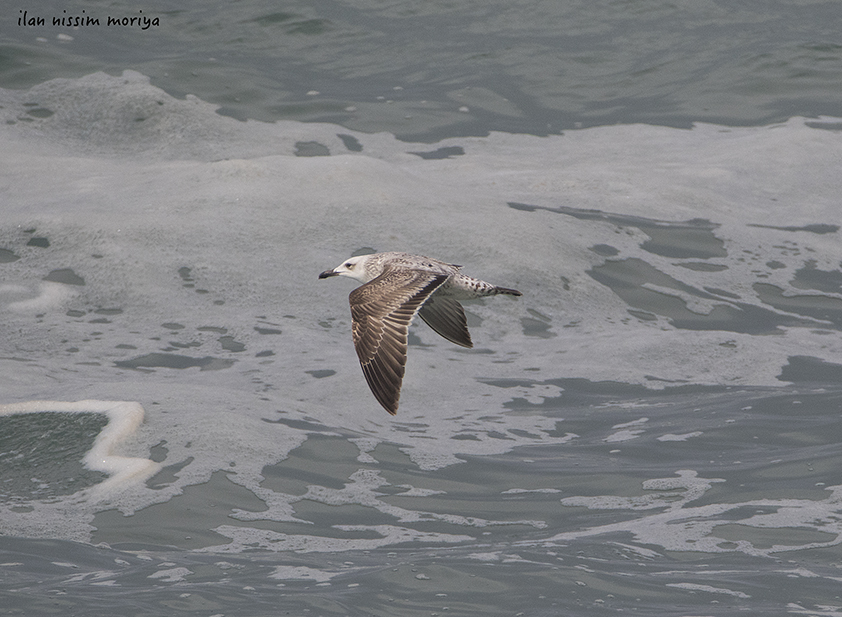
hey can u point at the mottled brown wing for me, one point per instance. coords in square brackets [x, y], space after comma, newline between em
[381, 311]
[446, 316]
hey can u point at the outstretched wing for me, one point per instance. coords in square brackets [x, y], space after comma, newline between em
[446, 316]
[381, 311]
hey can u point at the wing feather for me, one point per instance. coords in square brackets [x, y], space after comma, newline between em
[381, 311]
[446, 316]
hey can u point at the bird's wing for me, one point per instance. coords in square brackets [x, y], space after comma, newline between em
[445, 316]
[381, 311]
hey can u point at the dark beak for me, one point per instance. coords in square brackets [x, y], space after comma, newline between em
[327, 274]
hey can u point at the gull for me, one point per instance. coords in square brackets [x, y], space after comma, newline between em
[396, 287]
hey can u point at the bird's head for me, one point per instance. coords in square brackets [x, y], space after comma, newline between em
[353, 267]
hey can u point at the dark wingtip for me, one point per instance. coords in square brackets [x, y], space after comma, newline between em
[390, 406]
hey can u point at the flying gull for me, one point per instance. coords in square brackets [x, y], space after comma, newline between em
[397, 286]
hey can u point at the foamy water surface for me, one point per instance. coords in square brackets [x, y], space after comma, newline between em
[655, 421]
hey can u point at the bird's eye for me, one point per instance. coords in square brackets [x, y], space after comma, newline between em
[349, 265]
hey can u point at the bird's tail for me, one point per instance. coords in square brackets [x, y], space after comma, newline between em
[506, 290]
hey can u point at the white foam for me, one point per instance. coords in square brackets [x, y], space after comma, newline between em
[124, 417]
[301, 573]
[681, 437]
[364, 489]
[248, 538]
[709, 589]
[47, 295]
[680, 526]
[518, 491]
[171, 575]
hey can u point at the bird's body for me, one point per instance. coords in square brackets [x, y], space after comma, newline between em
[396, 287]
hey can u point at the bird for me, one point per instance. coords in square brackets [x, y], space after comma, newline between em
[396, 287]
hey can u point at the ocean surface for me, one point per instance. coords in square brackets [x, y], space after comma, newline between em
[653, 428]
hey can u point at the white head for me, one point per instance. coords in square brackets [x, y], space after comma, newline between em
[353, 267]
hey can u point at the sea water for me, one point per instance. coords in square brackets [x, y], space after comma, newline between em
[653, 427]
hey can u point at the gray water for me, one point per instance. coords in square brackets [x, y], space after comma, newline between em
[653, 427]
[440, 69]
